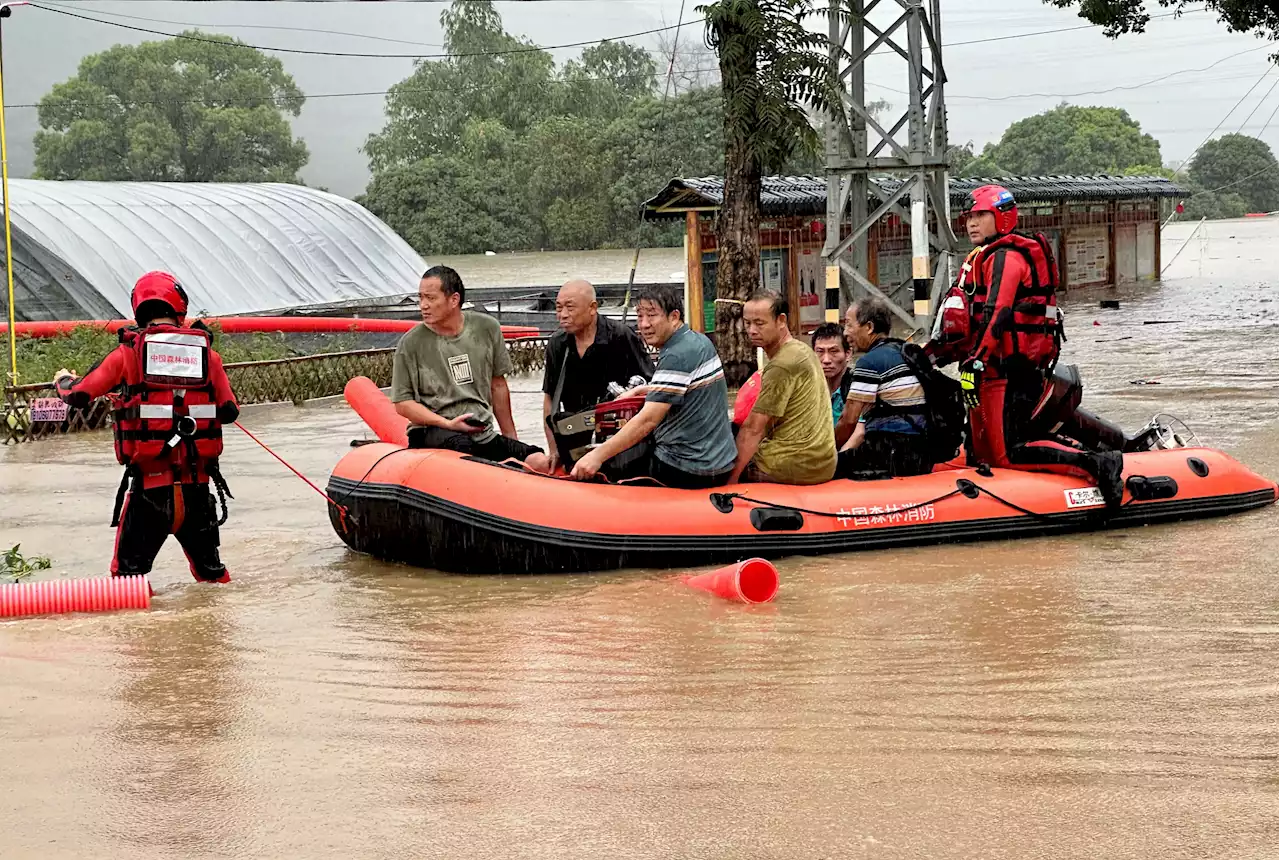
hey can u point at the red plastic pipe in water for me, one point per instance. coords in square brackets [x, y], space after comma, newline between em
[252, 325]
[99, 594]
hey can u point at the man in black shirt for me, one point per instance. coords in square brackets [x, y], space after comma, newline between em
[589, 352]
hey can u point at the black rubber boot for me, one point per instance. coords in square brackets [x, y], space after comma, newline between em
[1110, 468]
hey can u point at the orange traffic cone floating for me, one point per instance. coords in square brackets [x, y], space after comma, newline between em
[752, 581]
[100, 594]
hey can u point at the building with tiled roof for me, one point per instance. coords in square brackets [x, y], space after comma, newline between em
[1105, 230]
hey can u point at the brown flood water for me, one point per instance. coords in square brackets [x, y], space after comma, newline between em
[1099, 695]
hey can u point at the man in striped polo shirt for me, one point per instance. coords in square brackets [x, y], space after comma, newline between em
[686, 403]
[883, 426]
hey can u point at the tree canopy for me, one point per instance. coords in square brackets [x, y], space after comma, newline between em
[567, 152]
[1068, 139]
[200, 108]
[1117, 17]
[1231, 176]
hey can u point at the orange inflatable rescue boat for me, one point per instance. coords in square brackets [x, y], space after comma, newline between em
[444, 510]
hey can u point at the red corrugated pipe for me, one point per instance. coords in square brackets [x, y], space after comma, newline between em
[250, 325]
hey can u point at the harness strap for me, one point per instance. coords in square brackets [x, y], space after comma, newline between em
[129, 473]
[220, 487]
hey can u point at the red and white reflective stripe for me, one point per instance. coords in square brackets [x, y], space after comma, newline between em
[165, 410]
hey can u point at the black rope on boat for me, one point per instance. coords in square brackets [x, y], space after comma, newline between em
[360, 482]
[723, 502]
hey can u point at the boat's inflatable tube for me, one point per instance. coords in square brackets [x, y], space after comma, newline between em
[443, 510]
[377, 411]
[252, 325]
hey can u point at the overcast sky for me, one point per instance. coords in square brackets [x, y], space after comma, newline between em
[990, 84]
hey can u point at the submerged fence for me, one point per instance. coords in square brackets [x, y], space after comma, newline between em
[284, 380]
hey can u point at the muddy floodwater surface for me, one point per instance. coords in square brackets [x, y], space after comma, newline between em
[1087, 696]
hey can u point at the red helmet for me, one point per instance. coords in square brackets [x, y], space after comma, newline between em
[996, 200]
[158, 288]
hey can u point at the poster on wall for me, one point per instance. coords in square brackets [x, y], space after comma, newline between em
[893, 265]
[812, 274]
[1085, 253]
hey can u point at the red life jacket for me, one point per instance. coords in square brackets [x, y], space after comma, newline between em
[1035, 330]
[166, 417]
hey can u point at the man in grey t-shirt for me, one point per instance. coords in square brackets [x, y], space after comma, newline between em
[449, 376]
[686, 403]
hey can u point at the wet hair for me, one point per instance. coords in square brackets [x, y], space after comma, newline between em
[450, 282]
[777, 301]
[829, 331]
[665, 296]
[874, 310]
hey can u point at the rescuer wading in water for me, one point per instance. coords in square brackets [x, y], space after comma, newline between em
[170, 398]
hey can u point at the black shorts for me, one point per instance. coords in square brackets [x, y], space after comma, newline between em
[497, 449]
[886, 455]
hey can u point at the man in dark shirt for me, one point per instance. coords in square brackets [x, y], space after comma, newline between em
[588, 353]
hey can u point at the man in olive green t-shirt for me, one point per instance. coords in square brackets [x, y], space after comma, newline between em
[448, 377]
[788, 437]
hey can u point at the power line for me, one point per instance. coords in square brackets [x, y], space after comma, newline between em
[1260, 103]
[1111, 89]
[65, 11]
[1265, 72]
[1047, 32]
[522, 50]
[1257, 136]
[260, 27]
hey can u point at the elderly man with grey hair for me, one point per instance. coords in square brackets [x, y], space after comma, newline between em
[589, 352]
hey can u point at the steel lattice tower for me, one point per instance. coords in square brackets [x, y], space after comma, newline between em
[913, 175]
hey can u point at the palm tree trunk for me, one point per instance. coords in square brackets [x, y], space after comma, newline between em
[738, 270]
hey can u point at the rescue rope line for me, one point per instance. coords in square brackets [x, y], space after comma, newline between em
[342, 511]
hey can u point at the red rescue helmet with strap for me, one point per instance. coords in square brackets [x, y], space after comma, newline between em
[997, 200]
[155, 289]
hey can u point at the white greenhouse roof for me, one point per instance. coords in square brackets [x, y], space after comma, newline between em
[236, 248]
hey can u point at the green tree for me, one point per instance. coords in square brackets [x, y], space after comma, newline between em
[605, 81]
[1071, 139]
[428, 111]
[1214, 205]
[653, 142]
[463, 203]
[1131, 16]
[1243, 165]
[771, 68]
[566, 178]
[1149, 170]
[199, 108]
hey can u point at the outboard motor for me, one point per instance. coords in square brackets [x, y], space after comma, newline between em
[1059, 412]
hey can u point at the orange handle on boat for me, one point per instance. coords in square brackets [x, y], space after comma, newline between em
[377, 410]
[100, 594]
[752, 581]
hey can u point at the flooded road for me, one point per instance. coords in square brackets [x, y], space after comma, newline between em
[1110, 695]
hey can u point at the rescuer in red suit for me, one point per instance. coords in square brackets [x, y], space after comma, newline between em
[170, 398]
[1001, 322]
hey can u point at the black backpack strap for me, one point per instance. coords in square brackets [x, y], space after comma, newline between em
[564, 364]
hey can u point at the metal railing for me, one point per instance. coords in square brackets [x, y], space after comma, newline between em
[283, 380]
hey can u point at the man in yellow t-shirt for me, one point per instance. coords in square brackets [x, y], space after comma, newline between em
[788, 437]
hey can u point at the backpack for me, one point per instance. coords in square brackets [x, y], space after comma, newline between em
[945, 412]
